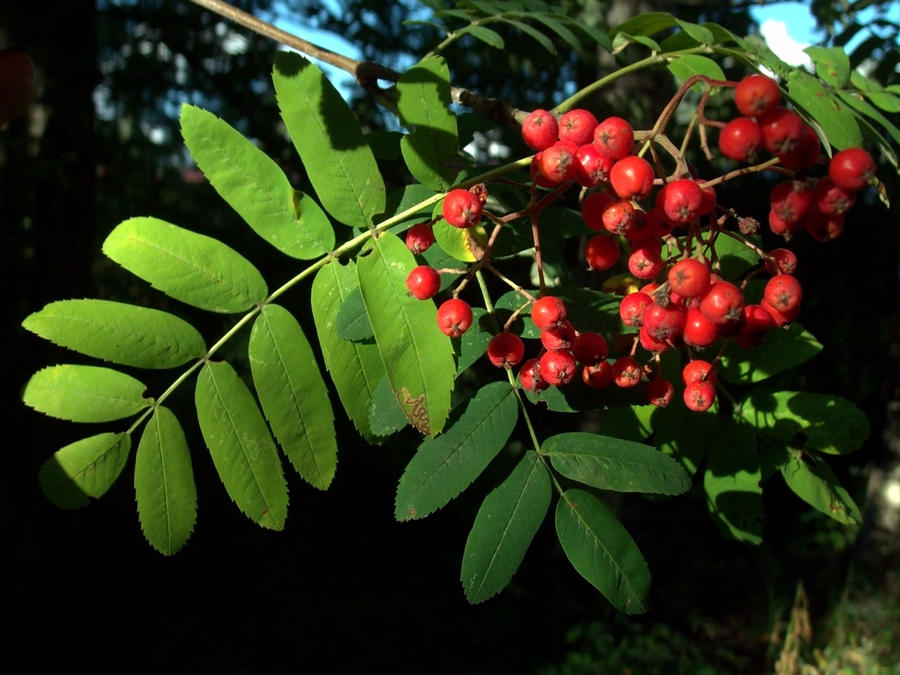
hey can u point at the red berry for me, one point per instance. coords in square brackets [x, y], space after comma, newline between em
[723, 304]
[699, 396]
[741, 139]
[822, 227]
[689, 278]
[540, 130]
[614, 137]
[590, 348]
[780, 318]
[756, 94]
[419, 238]
[698, 370]
[681, 201]
[665, 324]
[632, 177]
[782, 228]
[627, 372]
[852, 168]
[621, 217]
[461, 208]
[530, 376]
[505, 350]
[784, 293]
[577, 126]
[601, 252]
[593, 207]
[698, 330]
[807, 152]
[558, 162]
[598, 375]
[423, 282]
[790, 200]
[659, 392]
[645, 261]
[632, 307]
[548, 312]
[782, 261]
[831, 199]
[559, 337]
[454, 317]
[558, 368]
[651, 343]
[757, 323]
[781, 130]
[591, 167]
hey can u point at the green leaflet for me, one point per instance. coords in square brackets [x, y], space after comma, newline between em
[85, 393]
[823, 106]
[782, 349]
[473, 343]
[614, 464]
[126, 334]
[355, 367]
[188, 266]
[431, 148]
[733, 482]
[444, 466]
[688, 65]
[506, 523]
[533, 33]
[486, 35]
[832, 65]
[461, 243]
[352, 321]
[338, 161]
[254, 186]
[602, 551]
[630, 422]
[417, 356]
[735, 257]
[85, 468]
[385, 414]
[817, 421]
[682, 434]
[241, 446]
[811, 480]
[164, 483]
[293, 395]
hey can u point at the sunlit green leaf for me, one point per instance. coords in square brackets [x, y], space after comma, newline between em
[782, 349]
[191, 267]
[85, 468]
[506, 523]
[85, 393]
[811, 480]
[446, 465]
[688, 65]
[825, 108]
[164, 483]
[832, 65]
[118, 332]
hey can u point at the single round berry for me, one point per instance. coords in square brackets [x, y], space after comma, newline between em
[645, 261]
[530, 376]
[699, 331]
[723, 303]
[681, 201]
[699, 396]
[627, 372]
[659, 392]
[461, 208]
[577, 126]
[822, 227]
[831, 199]
[593, 208]
[781, 261]
[698, 370]
[548, 312]
[537, 177]
[621, 217]
[806, 153]
[781, 130]
[665, 324]
[689, 278]
[614, 137]
[756, 94]
[632, 177]
[419, 238]
[783, 228]
[741, 139]
[784, 293]
[423, 282]
[757, 324]
[589, 348]
[651, 343]
[598, 376]
[591, 167]
[558, 162]
[505, 350]
[560, 337]
[454, 317]
[540, 130]
[602, 252]
[779, 318]
[790, 200]
[852, 168]
[558, 368]
[632, 307]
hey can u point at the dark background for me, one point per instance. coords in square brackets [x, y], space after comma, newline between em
[345, 585]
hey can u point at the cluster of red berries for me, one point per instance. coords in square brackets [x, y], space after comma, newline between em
[684, 303]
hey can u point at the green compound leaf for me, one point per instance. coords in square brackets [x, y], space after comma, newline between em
[781, 350]
[85, 393]
[602, 551]
[810, 479]
[337, 158]
[417, 356]
[444, 466]
[164, 483]
[832, 65]
[820, 422]
[558, 27]
[356, 368]
[825, 108]
[533, 33]
[486, 35]
[85, 468]
[293, 395]
[506, 523]
[648, 23]
[254, 186]
[241, 446]
[113, 331]
[733, 482]
[431, 148]
[191, 267]
[614, 464]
